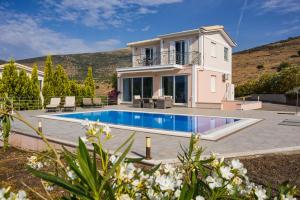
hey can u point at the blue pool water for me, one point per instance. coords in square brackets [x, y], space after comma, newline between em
[168, 122]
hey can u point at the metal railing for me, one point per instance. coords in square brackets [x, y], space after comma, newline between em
[23, 103]
[37, 104]
[167, 57]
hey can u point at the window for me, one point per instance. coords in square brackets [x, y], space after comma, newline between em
[225, 53]
[213, 49]
[213, 83]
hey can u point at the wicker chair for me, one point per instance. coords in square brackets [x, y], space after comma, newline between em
[137, 101]
[164, 102]
[148, 103]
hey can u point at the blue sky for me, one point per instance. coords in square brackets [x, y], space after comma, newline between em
[30, 28]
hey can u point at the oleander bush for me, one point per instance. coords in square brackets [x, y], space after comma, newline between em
[92, 172]
[271, 83]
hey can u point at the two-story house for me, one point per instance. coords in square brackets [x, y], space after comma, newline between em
[193, 66]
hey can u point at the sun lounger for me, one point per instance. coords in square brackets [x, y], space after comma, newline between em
[97, 102]
[87, 102]
[70, 103]
[54, 105]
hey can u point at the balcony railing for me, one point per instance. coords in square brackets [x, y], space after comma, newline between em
[167, 57]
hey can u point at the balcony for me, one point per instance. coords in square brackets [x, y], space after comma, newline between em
[167, 58]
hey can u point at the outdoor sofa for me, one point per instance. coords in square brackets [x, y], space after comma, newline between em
[137, 101]
[164, 102]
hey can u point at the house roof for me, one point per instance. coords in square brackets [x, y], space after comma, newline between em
[26, 68]
[203, 29]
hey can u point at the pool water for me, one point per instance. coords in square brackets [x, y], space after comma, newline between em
[168, 122]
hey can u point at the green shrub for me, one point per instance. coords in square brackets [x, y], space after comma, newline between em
[271, 83]
[283, 65]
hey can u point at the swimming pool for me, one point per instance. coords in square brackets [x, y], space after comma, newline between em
[173, 124]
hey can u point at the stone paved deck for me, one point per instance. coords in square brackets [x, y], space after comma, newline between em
[264, 135]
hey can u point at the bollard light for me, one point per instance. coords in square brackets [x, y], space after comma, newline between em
[148, 148]
[40, 126]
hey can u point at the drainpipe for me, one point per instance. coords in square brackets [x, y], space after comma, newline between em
[194, 86]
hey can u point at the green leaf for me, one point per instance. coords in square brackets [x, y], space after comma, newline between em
[59, 181]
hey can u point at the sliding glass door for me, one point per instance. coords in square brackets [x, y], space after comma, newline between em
[147, 87]
[127, 92]
[175, 86]
[141, 86]
[181, 89]
[168, 85]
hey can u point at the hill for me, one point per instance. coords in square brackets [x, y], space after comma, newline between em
[245, 63]
[2, 62]
[103, 63]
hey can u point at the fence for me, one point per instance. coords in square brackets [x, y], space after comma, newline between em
[36, 104]
[23, 103]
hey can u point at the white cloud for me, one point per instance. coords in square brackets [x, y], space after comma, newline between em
[24, 37]
[280, 6]
[146, 28]
[100, 13]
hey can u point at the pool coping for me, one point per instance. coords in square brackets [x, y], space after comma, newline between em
[213, 134]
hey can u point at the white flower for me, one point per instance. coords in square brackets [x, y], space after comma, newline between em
[260, 193]
[230, 188]
[127, 171]
[237, 181]
[169, 169]
[199, 197]
[124, 197]
[3, 191]
[286, 197]
[225, 172]
[213, 182]
[177, 193]
[236, 164]
[135, 183]
[113, 159]
[84, 139]
[106, 129]
[49, 188]
[165, 182]
[71, 175]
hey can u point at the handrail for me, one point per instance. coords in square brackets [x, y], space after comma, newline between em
[167, 57]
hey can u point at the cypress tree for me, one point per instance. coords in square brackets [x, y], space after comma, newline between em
[9, 78]
[35, 83]
[89, 83]
[61, 82]
[23, 85]
[48, 80]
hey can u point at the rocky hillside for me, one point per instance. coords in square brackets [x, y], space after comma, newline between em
[247, 64]
[103, 63]
[250, 63]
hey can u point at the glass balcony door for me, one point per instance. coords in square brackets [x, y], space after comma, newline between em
[148, 56]
[180, 52]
